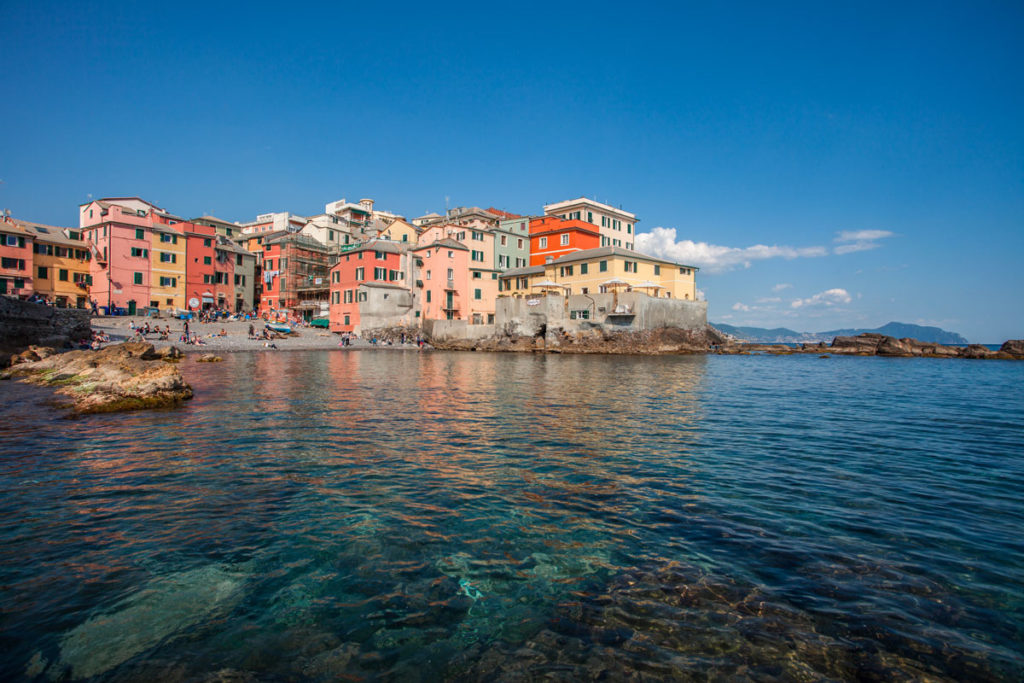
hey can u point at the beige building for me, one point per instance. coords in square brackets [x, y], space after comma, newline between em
[602, 270]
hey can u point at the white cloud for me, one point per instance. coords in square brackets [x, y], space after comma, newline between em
[741, 307]
[859, 240]
[830, 297]
[769, 300]
[661, 242]
[781, 286]
[701, 296]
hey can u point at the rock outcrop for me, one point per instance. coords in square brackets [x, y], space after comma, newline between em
[25, 324]
[667, 340]
[127, 376]
[1013, 347]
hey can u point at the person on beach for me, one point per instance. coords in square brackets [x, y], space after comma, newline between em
[186, 328]
[252, 330]
[95, 307]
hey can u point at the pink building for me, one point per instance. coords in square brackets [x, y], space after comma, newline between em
[445, 279]
[116, 231]
[15, 260]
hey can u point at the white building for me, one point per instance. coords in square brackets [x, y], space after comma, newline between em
[617, 227]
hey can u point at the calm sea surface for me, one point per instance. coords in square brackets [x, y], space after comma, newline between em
[405, 516]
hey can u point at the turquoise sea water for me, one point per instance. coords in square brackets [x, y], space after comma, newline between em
[404, 516]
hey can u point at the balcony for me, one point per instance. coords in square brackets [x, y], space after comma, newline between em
[450, 286]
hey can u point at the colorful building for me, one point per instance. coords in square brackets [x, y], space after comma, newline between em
[15, 260]
[116, 230]
[512, 243]
[200, 270]
[552, 237]
[60, 263]
[444, 276]
[604, 269]
[296, 277]
[400, 231]
[616, 227]
[368, 283]
[167, 258]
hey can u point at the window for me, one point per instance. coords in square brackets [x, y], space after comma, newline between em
[360, 273]
[166, 257]
[630, 266]
[494, 276]
[590, 217]
[395, 275]
[62, 275]
[603, 266]
[207, 260]
[43, 274]
[580, 315]
[657, 270]
[13, 263]
[451, 254]
[206, 243]
[478, 236]
[238, 259]
[138, 253]
[172, 239]
[138, 278]
[565, 239]
[451, 274]
[478, 294]
[380, 273]
[565, 271]
[270, 265]
[684, 271]
[477, 255]
[335, 297]
[19, 283]
[520, 245]
[542, 243]
[140, 234]
[583, 270]
[347, 296]
[476, 275]
[379, 255]
[629, 228]
[504, 240]
[361, 296]
[168, 282]
[346, 320]
[428, 296]
[207, 279]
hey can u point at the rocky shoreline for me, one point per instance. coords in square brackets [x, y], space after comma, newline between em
[128, 376]
[709, 340]
[874, 344]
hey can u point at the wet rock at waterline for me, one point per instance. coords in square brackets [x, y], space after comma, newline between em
[127, 376]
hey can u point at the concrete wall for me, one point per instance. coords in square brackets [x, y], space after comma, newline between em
[385, 307]
[447, 330]
[630, 311]
[23, 324]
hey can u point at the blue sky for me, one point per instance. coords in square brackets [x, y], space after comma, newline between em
[826, 164]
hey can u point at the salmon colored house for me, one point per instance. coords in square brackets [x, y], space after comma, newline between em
[445, 278]
[553, 236]
[15, 260]
[378, 262]
[116, 230]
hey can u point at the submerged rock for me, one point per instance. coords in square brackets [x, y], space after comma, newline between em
[126, 376]
[209, 358]
[164, 608]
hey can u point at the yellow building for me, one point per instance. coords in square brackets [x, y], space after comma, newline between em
[605, 269]
[167, 268]
[400, 231]
[60, 265]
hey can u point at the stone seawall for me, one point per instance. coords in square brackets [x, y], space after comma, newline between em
[24, 324]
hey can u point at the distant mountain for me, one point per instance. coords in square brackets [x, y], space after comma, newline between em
[782, 335]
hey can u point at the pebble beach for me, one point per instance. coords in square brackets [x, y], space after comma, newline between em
[236, 337]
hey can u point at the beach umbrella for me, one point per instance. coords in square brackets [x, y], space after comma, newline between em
[647, 284]
[547, 284]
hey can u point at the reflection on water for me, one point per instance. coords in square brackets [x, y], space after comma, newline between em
[423, 516]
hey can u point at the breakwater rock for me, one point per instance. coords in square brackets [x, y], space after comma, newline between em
[874, 344]
[668, 340]
[127, 376]
[25, 324]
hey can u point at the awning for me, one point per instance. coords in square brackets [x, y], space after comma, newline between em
[207, 299]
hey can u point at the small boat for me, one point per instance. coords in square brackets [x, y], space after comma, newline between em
[279, 328]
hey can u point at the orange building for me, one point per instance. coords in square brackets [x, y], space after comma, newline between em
[553, 236]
